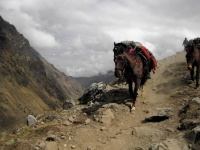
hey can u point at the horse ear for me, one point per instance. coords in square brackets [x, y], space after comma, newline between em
[114, 43]
[185, 42]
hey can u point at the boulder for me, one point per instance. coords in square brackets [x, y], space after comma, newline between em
[87, 121]
[160, 115]
[193, 137]
[164, 112]
[196, 99]
[68, 103]
[93, 93]
[169, 144]
[31, 120]
[190, 114]
[67, 123]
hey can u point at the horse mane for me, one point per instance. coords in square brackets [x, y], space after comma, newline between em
[144, 79]
[121, 44]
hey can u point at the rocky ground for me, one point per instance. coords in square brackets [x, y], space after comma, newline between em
[166, 118]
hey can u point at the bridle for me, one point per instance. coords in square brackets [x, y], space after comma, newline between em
[123, 67]
[118, 54]
[189, 55]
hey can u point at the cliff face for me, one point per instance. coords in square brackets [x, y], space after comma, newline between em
[28, 83]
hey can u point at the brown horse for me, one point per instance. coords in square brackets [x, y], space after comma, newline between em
[192, 49]
[132, 67]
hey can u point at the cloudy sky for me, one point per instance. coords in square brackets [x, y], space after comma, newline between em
[77, 36]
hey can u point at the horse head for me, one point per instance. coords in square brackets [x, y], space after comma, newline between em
[189, 48]
[190, 58]
[120, 66]
[119, 59]
[188, 45]
[119, 48]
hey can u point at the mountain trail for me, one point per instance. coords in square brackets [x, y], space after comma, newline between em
[111, 126]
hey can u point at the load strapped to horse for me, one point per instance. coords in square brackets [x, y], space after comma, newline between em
[133, 62]
[192, 48]
[147, 56]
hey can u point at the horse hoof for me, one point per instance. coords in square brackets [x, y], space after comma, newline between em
[132, 109]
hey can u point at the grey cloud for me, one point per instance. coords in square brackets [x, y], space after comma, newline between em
[78, 37]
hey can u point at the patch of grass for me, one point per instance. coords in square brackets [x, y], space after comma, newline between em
[44, 129]
[40, 130]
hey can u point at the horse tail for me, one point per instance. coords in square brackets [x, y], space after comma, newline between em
[144, 77]
[143, 81]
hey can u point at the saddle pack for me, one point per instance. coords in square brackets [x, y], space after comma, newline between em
[144, 53]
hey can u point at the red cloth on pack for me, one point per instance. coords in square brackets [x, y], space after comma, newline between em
[145, 51]
[131, 50]
[154, 64]
[147, 55]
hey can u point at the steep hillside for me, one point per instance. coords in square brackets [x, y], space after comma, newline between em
[28, 83]
[87, 81]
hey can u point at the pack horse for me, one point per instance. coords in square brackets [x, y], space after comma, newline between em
[192, 48]
[133, 62]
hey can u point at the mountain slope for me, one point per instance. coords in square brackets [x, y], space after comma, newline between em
[28, 83]
[110, 125]
[87, 81]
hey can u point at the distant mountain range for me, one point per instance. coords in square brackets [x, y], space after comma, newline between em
[28, 83]
[87, 81]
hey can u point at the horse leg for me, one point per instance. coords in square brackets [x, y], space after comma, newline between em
[197, 76]
[130, 85]
[192, 73]
[133, 93]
